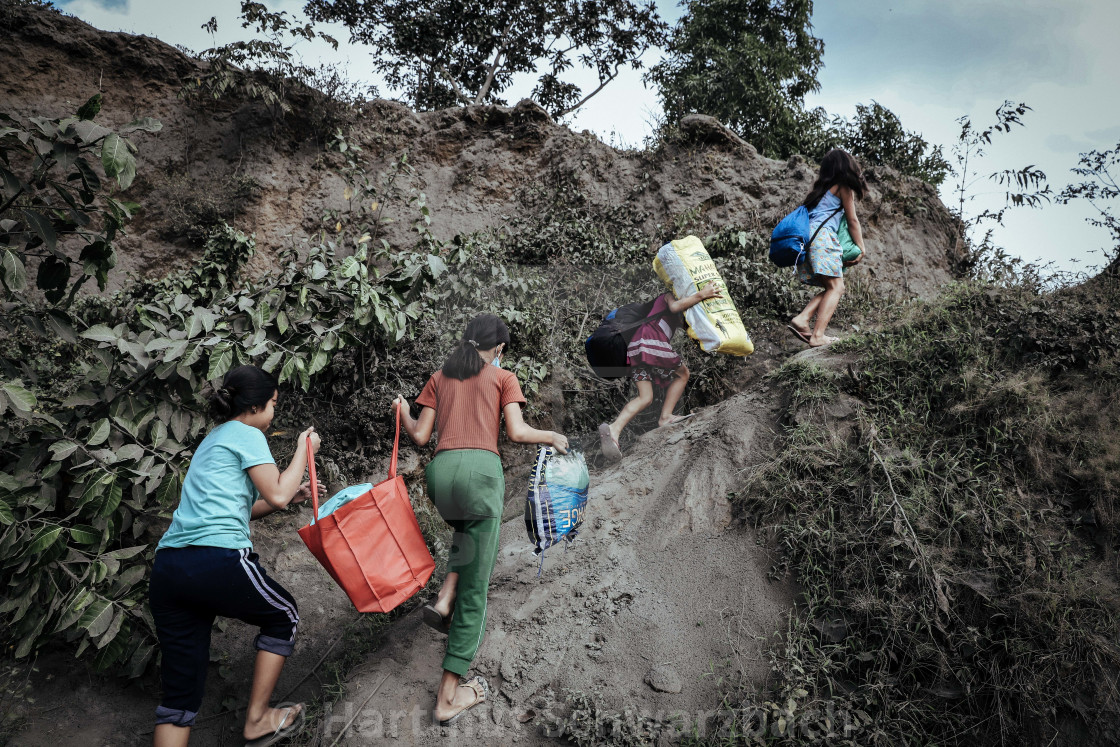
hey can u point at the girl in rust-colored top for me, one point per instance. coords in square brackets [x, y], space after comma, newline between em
[465, 402]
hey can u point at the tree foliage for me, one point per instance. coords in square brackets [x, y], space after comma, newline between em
[268, 69]
[749, 63]
[876, 136]
[1024, 187]
[454, 52]
[1100, 171]
[59, 177]
[100, 404]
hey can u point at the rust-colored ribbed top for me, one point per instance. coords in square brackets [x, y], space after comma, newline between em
[469, 413]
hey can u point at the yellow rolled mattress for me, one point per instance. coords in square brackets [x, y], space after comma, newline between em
[685, 266]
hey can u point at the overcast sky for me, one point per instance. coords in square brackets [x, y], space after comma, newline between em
[929, 61]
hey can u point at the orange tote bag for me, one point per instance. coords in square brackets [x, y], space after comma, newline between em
[372, 546]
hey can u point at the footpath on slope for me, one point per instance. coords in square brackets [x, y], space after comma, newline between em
[654, 604]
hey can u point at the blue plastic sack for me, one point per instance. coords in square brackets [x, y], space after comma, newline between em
[788, 240]
[557, 497]
[342, 497]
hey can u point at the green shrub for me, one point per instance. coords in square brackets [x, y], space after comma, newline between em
[952, 538]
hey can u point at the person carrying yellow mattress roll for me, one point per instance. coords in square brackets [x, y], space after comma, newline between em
[685, 266]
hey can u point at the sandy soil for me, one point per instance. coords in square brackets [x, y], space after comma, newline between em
[659, 598]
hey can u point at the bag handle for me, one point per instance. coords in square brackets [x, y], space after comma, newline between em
[314, 480]
[311, 465]
[396, 447]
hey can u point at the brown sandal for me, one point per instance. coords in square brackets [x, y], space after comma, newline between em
[433, 619]
[481, 690]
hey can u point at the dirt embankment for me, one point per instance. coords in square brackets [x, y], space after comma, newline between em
[661, 595]
[474, 164]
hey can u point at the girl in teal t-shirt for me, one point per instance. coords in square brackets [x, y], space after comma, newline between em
[205, 565]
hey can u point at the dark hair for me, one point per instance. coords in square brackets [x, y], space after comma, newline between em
[837, 167]
[242, 388]
[482, 333]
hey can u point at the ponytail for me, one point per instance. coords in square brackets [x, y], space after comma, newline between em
[242, 389]
[482, 333]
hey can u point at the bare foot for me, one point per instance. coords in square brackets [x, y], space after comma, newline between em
[465, 696]
[672, 419]
[822, 341]
[270, 721]
[801, 326]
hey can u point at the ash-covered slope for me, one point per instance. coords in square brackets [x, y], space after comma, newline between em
[475, 165]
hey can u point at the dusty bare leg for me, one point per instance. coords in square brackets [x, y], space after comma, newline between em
[261, 719]
[452, 696]
[445, 600]
[801, 321]
[673, 396]
[170, 735]
[834, 289]
[633, 407]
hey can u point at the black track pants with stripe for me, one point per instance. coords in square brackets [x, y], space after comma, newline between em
[191, 586]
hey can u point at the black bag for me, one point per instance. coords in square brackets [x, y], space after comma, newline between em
[606, 347]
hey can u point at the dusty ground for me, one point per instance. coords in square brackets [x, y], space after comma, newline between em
[659, 588]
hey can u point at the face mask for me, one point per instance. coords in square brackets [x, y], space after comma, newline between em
[497, 361]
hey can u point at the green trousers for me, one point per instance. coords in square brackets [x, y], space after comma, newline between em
[468, 487]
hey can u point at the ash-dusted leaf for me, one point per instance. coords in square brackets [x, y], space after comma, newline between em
[81, 599]
[44, 537]
[61, 449]
[129, 452]
[90, 132]
[220, 363]
[180, 423]
[19, 398]
[272, 360]
[100, 333]
[85, 535]
[139, 661]
[117, 160]
[436, 265]
[41, 225]
[110, 499]
[12, 271]
[287, 371]
[97, 617]
[99, 432]
[126, 552]
[114, 627]
[175, 350]
[147, 124]
[81, 397]
[168, 491]
[130, 576]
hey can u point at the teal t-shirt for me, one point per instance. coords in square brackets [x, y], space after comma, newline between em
[218, 496]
